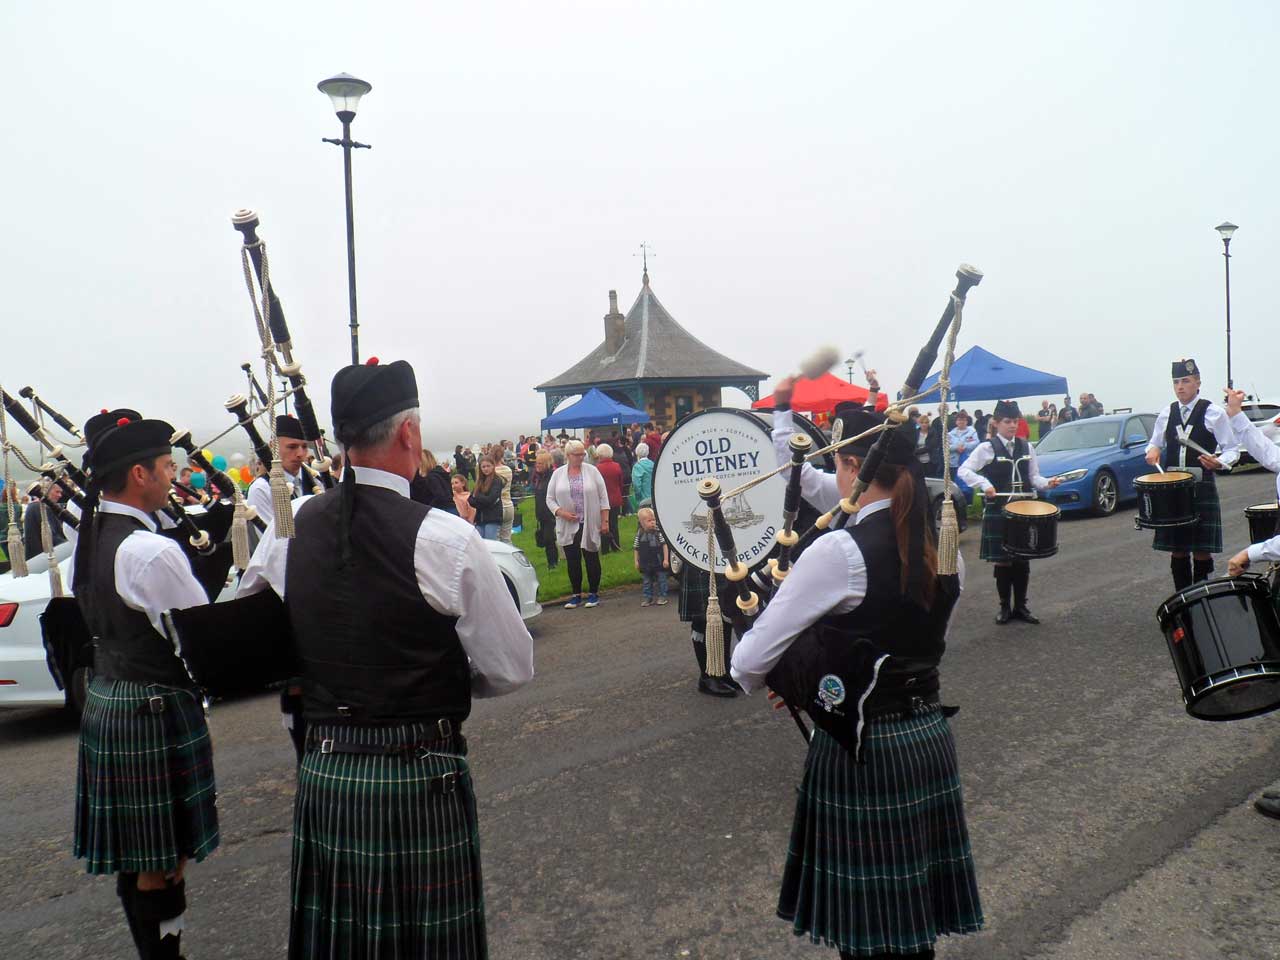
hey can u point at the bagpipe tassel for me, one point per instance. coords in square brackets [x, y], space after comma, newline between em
[240, 534]
[281, 501]
[948, 539]
[17, 555]
[46, 543]
[55, 579]
[716, 666]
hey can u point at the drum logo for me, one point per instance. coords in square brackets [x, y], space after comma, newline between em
[737, 512]
[1033, 538]
[1146, 504]
[831, 692]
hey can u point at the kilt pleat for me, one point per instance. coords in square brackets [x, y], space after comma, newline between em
[1203, 536]
[145, 791]
[879, 859]
[386, 863]
[694, 587]
[992, 546]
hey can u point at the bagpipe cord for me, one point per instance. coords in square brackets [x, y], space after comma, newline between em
[46, 542]
[948, 526]
[280, 492]
[715, 623]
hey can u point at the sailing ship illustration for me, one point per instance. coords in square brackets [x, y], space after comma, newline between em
[737, 512]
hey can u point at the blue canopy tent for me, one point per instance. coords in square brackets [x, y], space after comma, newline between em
[981, 375]
[595, 409]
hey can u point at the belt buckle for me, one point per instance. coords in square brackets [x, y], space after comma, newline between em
[155, 704]
[449, 782]
[445, 726]
[917, 704]
[326, 745]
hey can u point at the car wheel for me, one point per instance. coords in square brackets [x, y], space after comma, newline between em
[1106, 493]
[962, 518]
[511, 588]
[78, 690]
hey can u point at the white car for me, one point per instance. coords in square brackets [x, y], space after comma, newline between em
[1265, 415]
[26, 675]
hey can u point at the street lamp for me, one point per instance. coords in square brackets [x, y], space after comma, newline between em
[849, 366]
[1225, 229]
[345, 91]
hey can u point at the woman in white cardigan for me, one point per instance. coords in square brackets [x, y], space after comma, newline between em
[576, 496]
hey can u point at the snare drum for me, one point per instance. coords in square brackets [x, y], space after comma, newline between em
[1030, 529]
[1224, 637]
[1262, 521]
[1166, 500]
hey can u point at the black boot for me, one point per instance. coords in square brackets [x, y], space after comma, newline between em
[712, 686]
[1004, 586]
[1181, 567]
[1201, 570]
[1021, 577]
[126, 889]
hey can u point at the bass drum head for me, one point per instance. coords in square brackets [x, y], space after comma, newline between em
[733, 446]
[811, 430]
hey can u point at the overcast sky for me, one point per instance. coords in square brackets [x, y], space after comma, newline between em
[806, 173]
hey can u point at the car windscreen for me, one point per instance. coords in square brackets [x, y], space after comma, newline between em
[1080, 435]
[1260, 412]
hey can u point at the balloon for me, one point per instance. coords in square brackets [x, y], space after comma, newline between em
[208, 454]
[246, 475]
[237, 459]
[198, 480]
[219, 462]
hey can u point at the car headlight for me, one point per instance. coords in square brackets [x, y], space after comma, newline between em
[522, 559]
[1071, 475]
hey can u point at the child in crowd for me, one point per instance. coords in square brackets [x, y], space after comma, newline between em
[652, 558]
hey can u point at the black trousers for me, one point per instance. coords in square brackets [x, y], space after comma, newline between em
[547, 534]
[574, 555]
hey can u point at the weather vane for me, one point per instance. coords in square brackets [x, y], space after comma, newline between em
[646, 248]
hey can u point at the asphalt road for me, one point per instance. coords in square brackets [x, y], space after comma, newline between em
[624, 815]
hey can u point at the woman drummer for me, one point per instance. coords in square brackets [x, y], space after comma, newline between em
[992, 468]
[879, 863]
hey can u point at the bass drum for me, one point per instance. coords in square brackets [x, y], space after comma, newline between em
[733, 446]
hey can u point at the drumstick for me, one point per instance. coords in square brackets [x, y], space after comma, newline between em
[1192, 445]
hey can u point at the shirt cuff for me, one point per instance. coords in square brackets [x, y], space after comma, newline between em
[746, 683]
[1255, 553]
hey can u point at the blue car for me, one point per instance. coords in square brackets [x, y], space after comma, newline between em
[1098, 459]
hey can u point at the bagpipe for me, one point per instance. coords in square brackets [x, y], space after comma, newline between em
[799, 677]
[277, 355]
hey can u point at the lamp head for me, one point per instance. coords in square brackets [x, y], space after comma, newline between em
[1225, 229]
[345, 91]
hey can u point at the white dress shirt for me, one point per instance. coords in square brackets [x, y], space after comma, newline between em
[816, 486]
[1267, 454]
[1215, 421]
[457, 578]
[983, 454]
[259, 494]
[829, 578]
[152, 573]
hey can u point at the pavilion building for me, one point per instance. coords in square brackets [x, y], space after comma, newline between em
[649, 361]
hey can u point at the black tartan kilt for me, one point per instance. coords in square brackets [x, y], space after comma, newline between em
[1203, 536]
[386, 852]
[879, 859]
[145, 793]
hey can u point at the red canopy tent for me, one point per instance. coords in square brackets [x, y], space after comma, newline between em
[822, 395]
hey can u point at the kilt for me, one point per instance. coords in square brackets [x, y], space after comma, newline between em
[879, 859]
[145, 794]
[386, 855]
[1203, 536]
[992, 547]
[693, 593]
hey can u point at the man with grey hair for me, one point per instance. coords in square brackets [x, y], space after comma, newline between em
[399, 616]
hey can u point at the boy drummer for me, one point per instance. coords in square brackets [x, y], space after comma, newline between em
[991, 468]
[1193, 418]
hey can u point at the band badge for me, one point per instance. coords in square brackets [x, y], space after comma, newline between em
[1191, 366]
[831, 692]
[837, 430]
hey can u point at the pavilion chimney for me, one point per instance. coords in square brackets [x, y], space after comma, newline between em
[614, 326]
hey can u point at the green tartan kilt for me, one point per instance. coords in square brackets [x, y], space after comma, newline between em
[879, 859]
[992, 547]
[386, 852]
[145, 793]
[694, 584]
[1203, 536]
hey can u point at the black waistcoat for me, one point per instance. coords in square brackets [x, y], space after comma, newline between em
[372, 649]
[914, 638]
[126, 645]
[1001, 474]
[1173, 453]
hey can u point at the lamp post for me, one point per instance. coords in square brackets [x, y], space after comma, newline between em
[1225, 229]
[345, 91]
[849, 366]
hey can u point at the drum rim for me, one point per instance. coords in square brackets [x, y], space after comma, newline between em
[1247, 582]
[1010, 511]
[1173, 477]
[751, 417]
[808, 428]
[1265, 668]
[1272, 507]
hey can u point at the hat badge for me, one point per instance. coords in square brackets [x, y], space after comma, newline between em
[837, 430]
